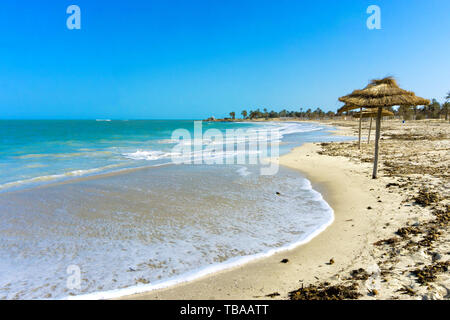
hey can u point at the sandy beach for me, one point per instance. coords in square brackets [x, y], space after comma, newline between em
[390, 236]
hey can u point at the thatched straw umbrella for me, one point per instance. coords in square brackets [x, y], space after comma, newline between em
[347, 108]
[371, 114]
[378, 94]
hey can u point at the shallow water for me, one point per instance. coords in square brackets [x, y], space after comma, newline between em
[35, 152]
[142, 227]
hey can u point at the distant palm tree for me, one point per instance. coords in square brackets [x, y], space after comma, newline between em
[244, 114]
[448, 96]
[232, 115]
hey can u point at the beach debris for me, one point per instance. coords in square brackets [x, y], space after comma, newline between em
[360, 274]
[278, 193]
[436, 291]
[406, 231]
[284, 260]
[373, 292]
[425, 197]
[272, 295]
[422, 185]
[436, 257]
[407, 290]
[433, 230]
[142, 280]
[392, 184]
[394, 168]
[417, 137]
[325, 291]
[369, 208]
[442, 216]
[331, 261]
[390, 241]
[429, 273]
[432, 235]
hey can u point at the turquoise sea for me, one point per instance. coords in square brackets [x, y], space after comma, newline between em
[105, 196]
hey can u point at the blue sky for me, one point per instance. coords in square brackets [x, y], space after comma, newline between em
[192, 59]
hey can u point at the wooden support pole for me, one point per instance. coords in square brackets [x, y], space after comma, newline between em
[370, 129]
[377, 143]
[360, 121]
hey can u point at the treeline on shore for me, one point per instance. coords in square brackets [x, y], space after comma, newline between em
[435, 110]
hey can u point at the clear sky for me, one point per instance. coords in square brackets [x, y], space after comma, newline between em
[191, 59]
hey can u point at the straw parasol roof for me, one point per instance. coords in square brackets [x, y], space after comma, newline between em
[347, 107]
[383, 93]
[368, 114]
[378, 94]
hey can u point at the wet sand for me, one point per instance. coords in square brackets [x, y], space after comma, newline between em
[366, 211]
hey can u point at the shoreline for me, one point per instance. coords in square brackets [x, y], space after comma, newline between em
[398, 246]
[389, 238]
[208, 271]
[307, 261]
[212, 270]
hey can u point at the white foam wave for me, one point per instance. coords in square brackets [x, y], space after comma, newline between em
[146, 155]
[243, 172]
[214, 268]
[55, 177]
[254, 135]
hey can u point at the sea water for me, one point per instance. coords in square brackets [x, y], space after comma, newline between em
[104, 197]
